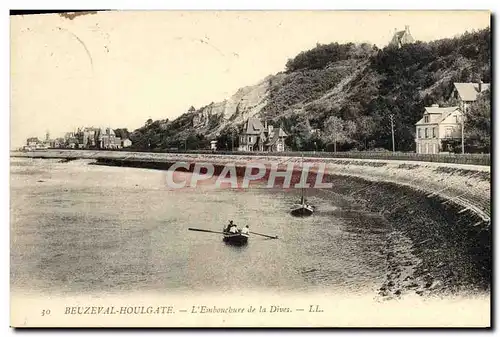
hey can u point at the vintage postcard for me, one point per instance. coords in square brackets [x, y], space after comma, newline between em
[250, 169]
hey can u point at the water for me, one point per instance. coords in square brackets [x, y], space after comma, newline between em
[80, 228]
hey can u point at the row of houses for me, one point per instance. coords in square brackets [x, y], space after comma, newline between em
[82, 138]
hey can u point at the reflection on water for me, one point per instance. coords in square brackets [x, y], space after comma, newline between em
[86, 228]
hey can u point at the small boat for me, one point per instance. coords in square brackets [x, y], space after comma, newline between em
[302, 209]
[235, 238]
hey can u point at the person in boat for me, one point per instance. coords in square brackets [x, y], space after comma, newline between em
[307, 203]
[233, 229]
[231, 224]
[245, 230]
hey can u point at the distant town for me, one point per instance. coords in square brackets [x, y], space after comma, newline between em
[82, 138]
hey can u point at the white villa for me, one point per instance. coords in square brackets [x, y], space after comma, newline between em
[437, 124]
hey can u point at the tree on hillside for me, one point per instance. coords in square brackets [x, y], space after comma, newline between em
[122, 133]
[324, 54]
[228, 138]
[300, 133]
[478, 123]
[195, 141]
[338, 132]
[365, 128]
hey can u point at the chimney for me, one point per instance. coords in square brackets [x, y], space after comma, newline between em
[407, 28]
[480, 85]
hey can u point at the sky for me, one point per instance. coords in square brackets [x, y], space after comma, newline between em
[121, 68]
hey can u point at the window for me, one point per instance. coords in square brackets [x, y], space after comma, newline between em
[250, 139]
[426, 119]
[447, 132]
[426, 133]
[434, 132]
[419, 133]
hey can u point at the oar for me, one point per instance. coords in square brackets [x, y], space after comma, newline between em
[204, 230]
[209, 231]
[267, 236]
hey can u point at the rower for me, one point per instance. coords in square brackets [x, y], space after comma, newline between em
[228, 228]
[233, 229]
[245, 230]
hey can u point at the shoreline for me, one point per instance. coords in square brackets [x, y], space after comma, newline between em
[466, 185]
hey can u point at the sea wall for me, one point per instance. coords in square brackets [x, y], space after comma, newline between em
[468, 186]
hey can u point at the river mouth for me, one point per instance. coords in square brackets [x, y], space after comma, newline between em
[97, 228]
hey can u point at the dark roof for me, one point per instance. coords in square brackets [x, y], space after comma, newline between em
[402, 36]
[272, 141]
[277, 134]
[253, 126]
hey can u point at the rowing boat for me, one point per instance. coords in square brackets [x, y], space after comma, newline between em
[302, 210]
[235, 238]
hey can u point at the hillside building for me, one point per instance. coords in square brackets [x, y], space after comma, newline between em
[107, 139]
[88, 137]
[401, 38]
[263, 138]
